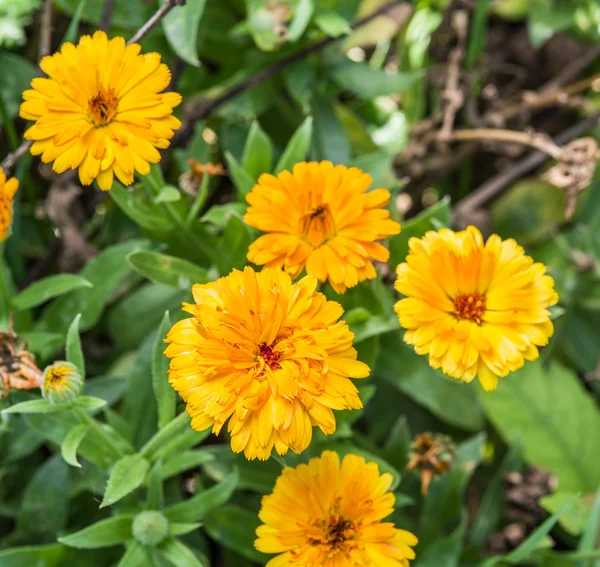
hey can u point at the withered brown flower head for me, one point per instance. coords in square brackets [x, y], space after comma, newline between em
[190, 180]
[432, 455]
[17, 365]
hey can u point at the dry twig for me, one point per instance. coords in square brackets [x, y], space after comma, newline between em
[107, 14]
[46, 30]
[155, 19]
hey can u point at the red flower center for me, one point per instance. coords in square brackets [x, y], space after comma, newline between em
[271, 357]
[470, 306]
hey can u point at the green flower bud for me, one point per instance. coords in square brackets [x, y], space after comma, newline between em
[61, 383]
[150, 527]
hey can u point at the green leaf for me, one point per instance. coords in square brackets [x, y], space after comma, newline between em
[167, 270]
[234, 527]
[551, 414]
[303, 11]
[17, 73]
[262, 25]
[181, 29]
[329, 139]
[332, 24]
[74, 351]
[446, 550]
[574, 518]
[179, 528]
[135, 556]
[368, 82]
[128, 474]
[197, 507]
[45, 502]
[590, 533]
[33, 556]
[258, 152]
[68, 448]
[89, 403]
[524, 551]
[165, 395]
[451, 400]
[168, 194]
[220, 214]
[180, 555]
[242, 180]
[73, 29]
[490, 508]
[297, 148]
[416, 227]
[104, 533]
[156, 497]
[529, 211]
[184, 461]
[172, 431]
[35, 406]
[42, 290]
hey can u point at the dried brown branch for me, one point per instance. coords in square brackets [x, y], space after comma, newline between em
[206, 106]
[155, 19]
[571, 71]
[109, 6]
[46, 30]
[492, 187]
[11, 159]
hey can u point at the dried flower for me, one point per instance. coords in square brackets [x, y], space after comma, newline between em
[17, 365]
[190, 181]
[432, 455]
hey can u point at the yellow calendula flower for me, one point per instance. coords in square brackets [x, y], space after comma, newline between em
[101, 110]
[476, 308]
[266, 354]
[320, 217]
[327, 514]
[8, 188]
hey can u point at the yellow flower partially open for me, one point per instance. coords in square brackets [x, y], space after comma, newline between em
[101, 110]
[327, 514]
[320, 217]
[8, 188]
[268, 355]
[476, 308]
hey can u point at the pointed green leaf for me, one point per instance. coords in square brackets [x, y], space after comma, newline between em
[128, 474]
[180, 555]
[183, 461]
[167, 270]
[297, 147]
[164, 392]
[89, 403]
[258, 152]
[241, 178]
[69, 446]
[74, 351]
[180, 528]
[104, 533]
[42, 290]
[46, 555]
[197, 507]
[332, 24]
[155, 488]
[135, 556]
[181, 29]
[36, 406]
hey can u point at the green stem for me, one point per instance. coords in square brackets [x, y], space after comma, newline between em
[199, 202]
[95, 426]
[180, 423]
[280, 460]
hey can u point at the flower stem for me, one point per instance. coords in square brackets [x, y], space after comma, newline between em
[95, 426]
[280, 460]
[199, 201]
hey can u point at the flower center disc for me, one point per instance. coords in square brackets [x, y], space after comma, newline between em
[317, 226]
[338, 531]
[470, 306]
[102, 107]
[271, 357]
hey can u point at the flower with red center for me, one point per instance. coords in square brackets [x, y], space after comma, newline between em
[101, 110]
[328, 514]
[475, 308]
[267, 355]
[320, 217]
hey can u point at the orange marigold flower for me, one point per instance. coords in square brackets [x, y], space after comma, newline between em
[327, 514]
[101, 110]
[476, 308]
[320, 217]
[8, 188]
[266, 354]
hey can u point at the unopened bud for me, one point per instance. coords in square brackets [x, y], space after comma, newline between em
[150, 527]
[61, 383]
